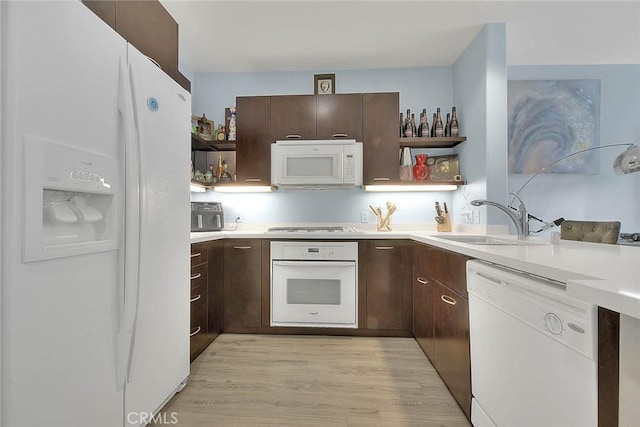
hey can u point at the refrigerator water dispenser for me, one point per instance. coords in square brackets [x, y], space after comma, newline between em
[70, 201]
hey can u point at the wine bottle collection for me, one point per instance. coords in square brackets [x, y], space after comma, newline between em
[438, 128]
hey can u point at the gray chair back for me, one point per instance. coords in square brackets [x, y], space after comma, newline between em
[591, 231]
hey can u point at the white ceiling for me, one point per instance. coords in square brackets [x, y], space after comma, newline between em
[265, 35]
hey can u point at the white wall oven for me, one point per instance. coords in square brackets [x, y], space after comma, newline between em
[314, 284]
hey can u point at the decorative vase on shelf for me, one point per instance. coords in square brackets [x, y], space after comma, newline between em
[421, 170]
[406, 173]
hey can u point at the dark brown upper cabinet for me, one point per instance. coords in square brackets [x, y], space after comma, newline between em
[380, 138]
[339, 116]
[293, 117]
[146, 25]
[253, 151]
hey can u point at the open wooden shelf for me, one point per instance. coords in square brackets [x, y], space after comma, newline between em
[443, 142]
[199, 144]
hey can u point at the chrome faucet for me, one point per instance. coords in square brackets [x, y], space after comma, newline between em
[519, 216]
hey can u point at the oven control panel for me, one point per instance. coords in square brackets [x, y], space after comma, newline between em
[303, 251]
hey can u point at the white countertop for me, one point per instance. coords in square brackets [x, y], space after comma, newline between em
[605, 275]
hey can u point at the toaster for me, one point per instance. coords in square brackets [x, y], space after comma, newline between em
[207, 216]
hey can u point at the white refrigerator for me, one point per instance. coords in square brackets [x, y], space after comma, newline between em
[94, 182]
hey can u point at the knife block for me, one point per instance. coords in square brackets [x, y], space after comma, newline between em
[446, 226]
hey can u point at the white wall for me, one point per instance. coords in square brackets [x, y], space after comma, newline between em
[604, 196]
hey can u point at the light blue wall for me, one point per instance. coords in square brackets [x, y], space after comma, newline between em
[604, 196]
[479, 77]
[418, 87]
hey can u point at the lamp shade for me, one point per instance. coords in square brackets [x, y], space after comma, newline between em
[628, 161]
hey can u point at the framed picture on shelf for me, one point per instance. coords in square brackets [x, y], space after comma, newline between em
[444, 168]
[324, 84]
[204, 127]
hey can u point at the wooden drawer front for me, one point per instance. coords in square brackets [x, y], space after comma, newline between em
[424, 289]
[449, 268]
[199, 276]
[199, 313]
[198, 254]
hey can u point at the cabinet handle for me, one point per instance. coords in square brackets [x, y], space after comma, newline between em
[253, 180]
[195, 255]
[195, 332]
[293, 136]
[423, 281]
[242, 247]
[313, 312]
[195, 276]
[382, 179]
[196, 298]
[448, 299]
[384, 248]
[339, 135]
[156, 63]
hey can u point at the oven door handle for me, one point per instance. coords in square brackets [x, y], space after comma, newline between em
[315, 263]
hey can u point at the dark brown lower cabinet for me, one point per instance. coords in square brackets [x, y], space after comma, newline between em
[206, 295]
[451, 342]
[199, 334]
[215, 255]
[441, 317]
[242, 285]
[389, 304]
[424, 291]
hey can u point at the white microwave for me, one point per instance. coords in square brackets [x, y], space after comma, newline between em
[316, 164]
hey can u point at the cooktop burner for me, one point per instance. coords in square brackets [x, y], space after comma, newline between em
[306, 229]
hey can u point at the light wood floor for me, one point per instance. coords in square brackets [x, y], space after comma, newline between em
[273, 380]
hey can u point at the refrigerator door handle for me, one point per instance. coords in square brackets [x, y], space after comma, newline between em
[131, 256]
[133, 212]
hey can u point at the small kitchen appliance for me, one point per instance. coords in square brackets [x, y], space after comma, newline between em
[207, 216]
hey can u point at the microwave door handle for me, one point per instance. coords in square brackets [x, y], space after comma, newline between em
[218, 221]
[199, 220]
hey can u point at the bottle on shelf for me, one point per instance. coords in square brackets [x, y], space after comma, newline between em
[225, 176]
[455, 127]
[220, 168]
[447, 126]
[232, 125]
[408, 129]
[433, 125]
[439, 126]
[401, 125]
[423, 129]
[414, 129]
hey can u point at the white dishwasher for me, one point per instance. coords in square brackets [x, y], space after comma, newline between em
[533, 351]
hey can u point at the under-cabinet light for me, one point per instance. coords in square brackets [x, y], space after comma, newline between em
[436, 187]
[243, 189]
[197, 188]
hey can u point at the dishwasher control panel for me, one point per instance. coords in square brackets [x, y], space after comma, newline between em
[540, 304]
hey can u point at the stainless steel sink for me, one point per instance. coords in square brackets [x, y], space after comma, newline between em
[486, 240]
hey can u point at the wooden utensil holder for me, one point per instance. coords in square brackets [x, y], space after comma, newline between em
[446, 225]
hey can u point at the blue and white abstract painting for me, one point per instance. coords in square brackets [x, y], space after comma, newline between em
[549, 119]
